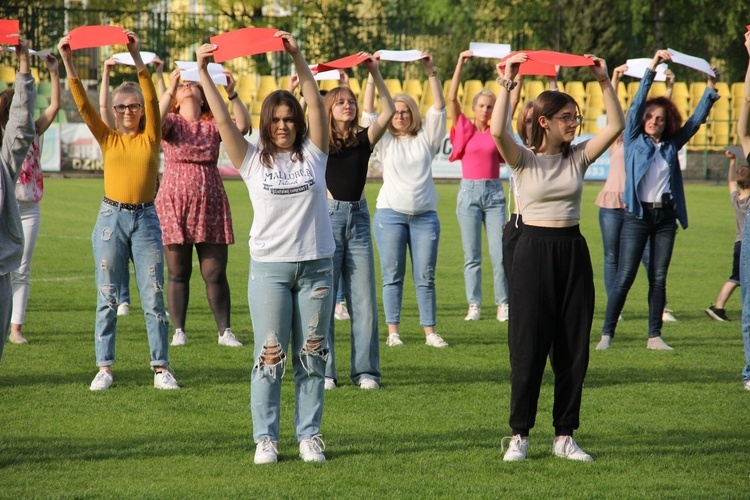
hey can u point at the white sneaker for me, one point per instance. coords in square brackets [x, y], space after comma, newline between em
[435, 340]
[567, 448]
[657, 344]
[311, 449]
[746, 384]
[341, 313]
[473, 314]
[502, 313]
[228, 339]
[266, 451]
[517, 448]
[394, 339]
[165, 380]
[330, 384]
[123, 309]
[102, 381]
[179, 337]
[667, 316]
[368, 383]
[605, 343]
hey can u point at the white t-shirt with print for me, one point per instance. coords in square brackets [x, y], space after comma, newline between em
[290, 222]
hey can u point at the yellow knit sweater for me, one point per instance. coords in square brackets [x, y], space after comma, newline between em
[131, 162]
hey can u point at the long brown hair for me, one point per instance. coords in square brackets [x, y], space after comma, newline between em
[337, 142]
[521, 122]
[547, 104]
[267, 145]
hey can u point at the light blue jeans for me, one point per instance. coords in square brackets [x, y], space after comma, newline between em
[354, 266]
[290, 301]
[120, 235]
[394, 231]
[745, 289]
[482, 202]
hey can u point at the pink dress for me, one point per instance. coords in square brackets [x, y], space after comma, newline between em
[191, 202]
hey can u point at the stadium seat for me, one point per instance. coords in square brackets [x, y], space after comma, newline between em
[247, 82]
[532, 88]
[700, 140]
[268, 82]
[413, 88]
[394, 86]
[284, 82]
[633, 89]
[8, 74]
[255, 120]
[44, 88]
[471, 88]
[738, 91]
[680, 89]
[446, 89]
[657, 89]
[328, 84]
[575, 88]
[720, 132]
[591, 119]
[356, 88]
[696, 92]
[492, 86]
[468, 111]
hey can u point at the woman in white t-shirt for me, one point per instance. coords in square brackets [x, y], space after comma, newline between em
[407, 206]
[291, 250]
[553, 304]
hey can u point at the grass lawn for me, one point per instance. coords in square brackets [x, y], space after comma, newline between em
[659, 424]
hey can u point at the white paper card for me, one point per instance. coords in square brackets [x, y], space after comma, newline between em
[328, 75]
[126, 58]
[39, 53]
[691, 62]
[489, 50]
[637, 68]
[400, 55]
[189, 72]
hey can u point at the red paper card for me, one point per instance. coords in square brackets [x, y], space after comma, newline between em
[86, 37]
[246, 42]
[9, 31]
[559, 58]
[748, 27]
[343, 63]
[533, 68]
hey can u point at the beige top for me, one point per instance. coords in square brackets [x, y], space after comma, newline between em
[550, 186]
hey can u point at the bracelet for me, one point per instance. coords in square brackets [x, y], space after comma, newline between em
[370, 83]
[431, 74]
[232, 96]
[507, 83]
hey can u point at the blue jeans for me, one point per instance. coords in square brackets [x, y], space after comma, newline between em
[394, 231]
[656, 229]
[354, 266]
[745, 289]
[610, 222]
[482, 202]
[340, 295]
[292, 301]
[120, 235]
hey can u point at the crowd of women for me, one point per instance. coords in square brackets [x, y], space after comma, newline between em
[311, 223]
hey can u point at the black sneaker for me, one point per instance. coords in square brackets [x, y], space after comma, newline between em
[717, 314]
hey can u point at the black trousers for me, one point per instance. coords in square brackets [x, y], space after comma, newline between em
[511, 233]
[552, 307]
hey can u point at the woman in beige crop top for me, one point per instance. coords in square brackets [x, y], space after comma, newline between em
[551, 284]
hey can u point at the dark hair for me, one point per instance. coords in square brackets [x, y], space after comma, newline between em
[206, 113]
[6, 96]
[672, 117]
[743, 177]
[547, 104]
[520, 122]
[336, 142]
[267, 145]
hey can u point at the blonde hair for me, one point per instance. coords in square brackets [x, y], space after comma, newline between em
[416, 119]
[133, 88]
[337, 142]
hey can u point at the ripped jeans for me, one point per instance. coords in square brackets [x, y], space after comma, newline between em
[119, 234]
[394, 231]
[289, 301]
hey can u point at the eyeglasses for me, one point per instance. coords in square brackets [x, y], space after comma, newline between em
[343, 103]
[576, 119]
[405, 112]
[187, 84]
[134, 108]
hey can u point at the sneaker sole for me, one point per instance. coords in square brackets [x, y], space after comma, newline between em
[714, 316]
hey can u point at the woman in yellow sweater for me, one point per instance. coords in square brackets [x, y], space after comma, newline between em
[127, 223]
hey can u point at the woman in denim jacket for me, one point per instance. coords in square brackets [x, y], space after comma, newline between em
[654, 197]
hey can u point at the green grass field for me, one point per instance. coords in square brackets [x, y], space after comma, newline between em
[659, 424]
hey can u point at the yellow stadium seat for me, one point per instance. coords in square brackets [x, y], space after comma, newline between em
[255, 120]
[328, 84]
[700, 140]
[657, 89]
[680, 89]
[561, 87]
[471, 88]
[591, 119]
[575, 88]
[468, 111]
[247, 82]
[696, 92]
[738, 91]
[446, 89]
[356, 88]
[35, 74]
[632, 89]
[394, 86]
[682, 106]
[448, 125]
[413, 87]
[492, 86]
[532, 88]
[720, 114]
[284, 82]
[268, 82]
[261, 93]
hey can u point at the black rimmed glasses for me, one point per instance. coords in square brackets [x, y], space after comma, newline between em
[403, 113]
[134, 108]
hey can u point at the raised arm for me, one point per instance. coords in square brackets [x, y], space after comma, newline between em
[151, 101]
[388, 108]
[19, 131]
[615, 117]
[165, 98]
[316, 115]
[617, 75]
[742, 122]
[454, 107]
[504, 140]
[670, 83]
[241, 114]
[732, 171]
[552, 80]
[159, 72]
[105, 104]
[435, 87]
[49, 114]
[634, 124]
[233, 141]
